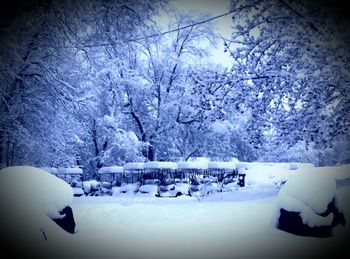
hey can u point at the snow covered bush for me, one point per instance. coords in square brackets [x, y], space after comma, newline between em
[308, 205]
[34, 203]
[116, 145]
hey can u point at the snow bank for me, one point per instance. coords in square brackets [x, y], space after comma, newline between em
[221, 165]
[111, 170]
[125, 188]
[160, 165]
[149, 188]
[193, 165]
[73, 170]
[134, 166]
[258, 174]
[78, 191]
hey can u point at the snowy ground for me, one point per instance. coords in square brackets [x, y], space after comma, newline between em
[236, 225]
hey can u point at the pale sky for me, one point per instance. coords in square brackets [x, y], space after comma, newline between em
[222, 25]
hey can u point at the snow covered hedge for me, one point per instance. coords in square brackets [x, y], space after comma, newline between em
[308, 205]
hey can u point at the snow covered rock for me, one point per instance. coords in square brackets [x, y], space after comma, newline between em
[307, 205]
[31, 200]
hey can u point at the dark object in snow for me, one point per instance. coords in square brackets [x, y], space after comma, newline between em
[67, 222]
[291, 221]
[241, 180]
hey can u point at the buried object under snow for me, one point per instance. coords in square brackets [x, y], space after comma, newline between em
[32, 201]
[307, 205]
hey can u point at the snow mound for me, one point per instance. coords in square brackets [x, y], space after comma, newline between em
[308, 205]
[313, 188]
[35, 188]
[31, 198]
[111, 170]
[130, 188]
[91, 186]
[149, 188]
[258, 174]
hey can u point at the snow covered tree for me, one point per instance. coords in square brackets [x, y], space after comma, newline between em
[153, 102]
[290, 71]
[50, 53]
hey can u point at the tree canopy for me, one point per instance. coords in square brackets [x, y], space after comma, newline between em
[100, 83]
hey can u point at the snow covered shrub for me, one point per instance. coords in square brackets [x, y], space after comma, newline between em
[307, 204]
[117, 145]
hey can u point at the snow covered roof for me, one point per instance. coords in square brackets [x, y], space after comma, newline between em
[160, 165]
[111, 170]
[221, 165]
[193, 165]
[134, 166]
[72, 170]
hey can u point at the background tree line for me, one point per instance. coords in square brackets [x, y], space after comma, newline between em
[96, 83]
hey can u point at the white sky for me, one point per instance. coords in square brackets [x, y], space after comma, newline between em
[222, 25]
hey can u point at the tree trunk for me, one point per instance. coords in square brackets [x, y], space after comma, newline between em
[151, 152]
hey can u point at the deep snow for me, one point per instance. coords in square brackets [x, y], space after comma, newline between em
[236, 224]
[230, 225]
